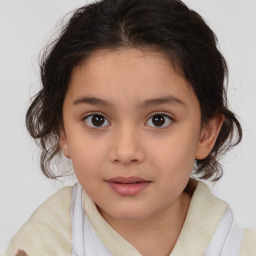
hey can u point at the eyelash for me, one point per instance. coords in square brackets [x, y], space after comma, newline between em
[91, 115]
[152, 115]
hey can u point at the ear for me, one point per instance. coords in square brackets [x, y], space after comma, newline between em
[208, 136]
[64, 144]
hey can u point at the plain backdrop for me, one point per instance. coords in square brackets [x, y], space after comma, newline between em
[25, 27]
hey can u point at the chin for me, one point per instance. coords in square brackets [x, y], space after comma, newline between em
[130, 214]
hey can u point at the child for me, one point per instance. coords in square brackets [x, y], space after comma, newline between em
[133, 93]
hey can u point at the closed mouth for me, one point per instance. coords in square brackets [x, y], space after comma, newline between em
[127, 180]
[128, 186]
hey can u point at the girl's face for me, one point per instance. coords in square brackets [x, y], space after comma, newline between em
[132, 130]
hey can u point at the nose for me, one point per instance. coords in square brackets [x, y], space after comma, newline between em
[126, 146]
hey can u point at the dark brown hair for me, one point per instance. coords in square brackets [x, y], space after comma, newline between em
[167, 26]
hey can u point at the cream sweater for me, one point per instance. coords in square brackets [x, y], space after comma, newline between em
[48, 231]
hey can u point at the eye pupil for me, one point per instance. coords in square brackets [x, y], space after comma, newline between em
[98, 120]
[158, 120]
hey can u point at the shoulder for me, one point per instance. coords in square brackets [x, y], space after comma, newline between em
[248, 246]
[48, 231]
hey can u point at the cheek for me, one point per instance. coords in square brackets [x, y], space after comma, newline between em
[87, 156]
[174, 154]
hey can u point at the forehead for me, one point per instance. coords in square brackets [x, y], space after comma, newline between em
[128, 74]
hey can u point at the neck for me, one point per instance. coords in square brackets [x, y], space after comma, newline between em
[158, 234]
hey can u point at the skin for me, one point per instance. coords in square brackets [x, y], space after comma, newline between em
[130, 144]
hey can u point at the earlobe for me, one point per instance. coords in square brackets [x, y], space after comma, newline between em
[64, 144]
[208, 136]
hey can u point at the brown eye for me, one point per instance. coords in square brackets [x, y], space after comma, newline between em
[159, 120]
[96, 120]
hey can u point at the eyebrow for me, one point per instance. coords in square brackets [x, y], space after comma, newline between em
[145, 104]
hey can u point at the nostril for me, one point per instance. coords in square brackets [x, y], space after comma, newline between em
[126, 151]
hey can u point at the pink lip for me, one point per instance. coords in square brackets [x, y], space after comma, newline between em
[127, 186]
